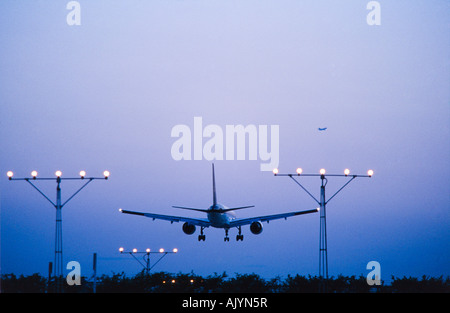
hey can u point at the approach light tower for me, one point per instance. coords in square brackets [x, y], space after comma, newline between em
[323, 253]
[58, 262]
[146, 256]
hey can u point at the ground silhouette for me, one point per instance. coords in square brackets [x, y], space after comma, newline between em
[163, 282]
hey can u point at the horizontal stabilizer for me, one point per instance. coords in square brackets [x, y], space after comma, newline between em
[238, 208]
[213, 210]
[192, 209]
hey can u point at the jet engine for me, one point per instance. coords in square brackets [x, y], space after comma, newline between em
[256, 228]
[188, 229]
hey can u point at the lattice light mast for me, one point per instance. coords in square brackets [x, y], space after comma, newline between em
[58, 261]
[323, 253]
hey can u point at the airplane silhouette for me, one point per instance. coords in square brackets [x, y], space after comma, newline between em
[219, 216]
[321, 129]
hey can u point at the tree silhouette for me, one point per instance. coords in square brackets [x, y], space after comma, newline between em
[162, 282]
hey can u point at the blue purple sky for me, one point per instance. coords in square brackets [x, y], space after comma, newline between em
[106, 94]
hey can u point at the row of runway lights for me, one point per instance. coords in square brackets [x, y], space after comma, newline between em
[299, 171]
[175, 250]
[34, 174]
[121, 250]
[322, 171]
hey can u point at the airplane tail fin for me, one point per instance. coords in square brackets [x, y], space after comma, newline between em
[214, 187]
[213, 209]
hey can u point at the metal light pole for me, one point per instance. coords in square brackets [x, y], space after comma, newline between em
[58, 261]
[146, 257]
[323, 253]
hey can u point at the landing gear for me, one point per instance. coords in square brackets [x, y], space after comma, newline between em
[239, 236]
[201, 237]
[226, 235]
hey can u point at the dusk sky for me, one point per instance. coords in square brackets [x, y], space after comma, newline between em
[106, 94]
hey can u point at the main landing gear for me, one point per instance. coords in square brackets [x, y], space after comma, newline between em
[201, 236]
[239, 236]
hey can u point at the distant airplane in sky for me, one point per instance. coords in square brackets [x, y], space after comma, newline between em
[321, 129]
[219, 216]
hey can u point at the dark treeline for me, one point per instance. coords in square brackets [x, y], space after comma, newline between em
[241, 283]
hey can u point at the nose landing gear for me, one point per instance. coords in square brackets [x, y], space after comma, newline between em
[226, 235]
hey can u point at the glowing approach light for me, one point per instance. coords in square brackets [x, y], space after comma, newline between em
[147, 251]
[323, 253]
[58, 204]
[275, 171]
[106, 174]
[146, 256]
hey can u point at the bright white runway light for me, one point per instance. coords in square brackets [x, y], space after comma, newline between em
[10, 174]
[82, 174]
[34, 174]
[347, 171]
[148, 250]
[322, 171]
[134, 250]
[161, 250]
[370, 172]
[299, 171]
[106, 174]
[120, 249]
[58, 173]
[175, 250]
[275, 171]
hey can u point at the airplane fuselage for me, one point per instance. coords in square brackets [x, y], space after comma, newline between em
[218, 219]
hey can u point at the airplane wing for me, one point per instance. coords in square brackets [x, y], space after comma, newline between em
[194, 221]
[267, 218]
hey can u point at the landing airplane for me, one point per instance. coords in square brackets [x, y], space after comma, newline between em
[322, 129]
[219, 216]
